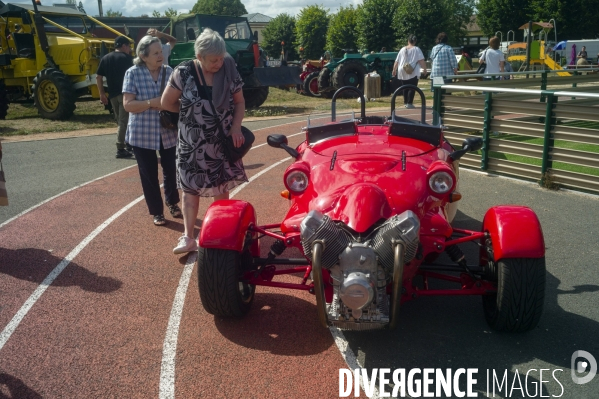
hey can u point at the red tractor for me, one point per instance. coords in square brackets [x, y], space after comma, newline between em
[371, 204]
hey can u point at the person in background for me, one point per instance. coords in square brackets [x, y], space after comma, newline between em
[443, 58]
[141, 98]
[203, 169]
[412, 55]
[582, 57]
[493, 58]
[466, 56]
[113, 66]
[167, 47]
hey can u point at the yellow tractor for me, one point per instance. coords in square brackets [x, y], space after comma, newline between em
[51, 55]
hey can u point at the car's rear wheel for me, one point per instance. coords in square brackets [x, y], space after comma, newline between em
[310, 84]
[518, 304]
[53, 94]
[222, 290]
[255, 96]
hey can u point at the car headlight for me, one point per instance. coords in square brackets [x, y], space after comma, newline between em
[440, 182]
[297, 181]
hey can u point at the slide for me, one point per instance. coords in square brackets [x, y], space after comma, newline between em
[554, 66]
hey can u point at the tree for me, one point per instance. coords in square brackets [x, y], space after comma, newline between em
[341, 34]
[311, 29]
[280, 29]
[502, 15]
[575, 19]
[375, 19]
[219, 7]
[426, 18]
[111, 13]
[171, 12]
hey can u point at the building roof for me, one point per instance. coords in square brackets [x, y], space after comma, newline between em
[473, 25]
[257, 18]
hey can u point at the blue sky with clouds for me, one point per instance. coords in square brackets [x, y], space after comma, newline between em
[135, 8]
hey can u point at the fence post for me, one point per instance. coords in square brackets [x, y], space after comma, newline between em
[484, 161]
[547, 163]
[543, 85]
[437, 93]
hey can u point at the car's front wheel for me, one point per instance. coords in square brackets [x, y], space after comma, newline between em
[222, 289]
[518, 304]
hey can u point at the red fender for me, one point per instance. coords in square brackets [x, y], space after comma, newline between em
[225, 225]
[515, 232]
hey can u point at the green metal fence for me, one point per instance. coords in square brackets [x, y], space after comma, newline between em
[543, 128]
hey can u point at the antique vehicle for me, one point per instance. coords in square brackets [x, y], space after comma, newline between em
[350, 71]
[371, 201]
[51, 55]
[242, 45]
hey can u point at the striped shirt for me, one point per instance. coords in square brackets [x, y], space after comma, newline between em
[444, 61]
[143, 129]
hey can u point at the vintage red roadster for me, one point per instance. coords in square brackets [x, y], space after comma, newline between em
[372, 199]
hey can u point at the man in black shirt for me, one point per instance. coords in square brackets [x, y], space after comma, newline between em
[113, 66]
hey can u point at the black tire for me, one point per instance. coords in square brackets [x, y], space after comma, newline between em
[310, 84]
[324, 80]
[518, 304]
[350, 73]
[3, 101]
[53, 94]
[221, 290]
[255, 96]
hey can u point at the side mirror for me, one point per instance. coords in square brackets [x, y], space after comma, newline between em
[470, 144]
[280, 141]
[275, 140]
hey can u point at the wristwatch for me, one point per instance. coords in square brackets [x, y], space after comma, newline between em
[148, 102]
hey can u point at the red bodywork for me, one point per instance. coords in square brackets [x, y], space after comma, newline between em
[366, 175]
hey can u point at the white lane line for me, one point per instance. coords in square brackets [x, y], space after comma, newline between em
[169, 348]
[58, 195]
[14, 323]
[167, 369]
[348, 355]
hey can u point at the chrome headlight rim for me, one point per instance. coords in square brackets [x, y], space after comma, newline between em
[441, 182]
[297, 181]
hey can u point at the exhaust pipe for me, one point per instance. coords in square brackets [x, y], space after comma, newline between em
[398, 261]
[317, 249]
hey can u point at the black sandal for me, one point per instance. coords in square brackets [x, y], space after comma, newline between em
[159, 220]
[175, 211]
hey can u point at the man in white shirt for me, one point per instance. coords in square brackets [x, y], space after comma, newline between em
[170, 41]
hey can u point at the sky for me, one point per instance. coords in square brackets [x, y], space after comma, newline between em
[135, 8]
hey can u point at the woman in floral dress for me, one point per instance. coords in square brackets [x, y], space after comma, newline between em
[202, 168]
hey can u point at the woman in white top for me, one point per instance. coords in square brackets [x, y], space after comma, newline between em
[409, 75]
[493, 58]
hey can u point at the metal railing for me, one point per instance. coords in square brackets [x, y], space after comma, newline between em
[546, 135]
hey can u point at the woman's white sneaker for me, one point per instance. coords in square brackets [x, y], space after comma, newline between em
[185, 245]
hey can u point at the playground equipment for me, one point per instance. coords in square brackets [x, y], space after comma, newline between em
[536, 54]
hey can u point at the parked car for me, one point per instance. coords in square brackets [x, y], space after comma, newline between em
[371, 202]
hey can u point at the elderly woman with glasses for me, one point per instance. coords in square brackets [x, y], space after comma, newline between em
[203, 169]
[141, 98]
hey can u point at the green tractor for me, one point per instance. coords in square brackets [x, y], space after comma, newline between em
[241, 45]
[49, 54]
[350, 71]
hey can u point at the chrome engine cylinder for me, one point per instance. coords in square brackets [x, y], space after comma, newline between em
[405, 227]
[317, 226]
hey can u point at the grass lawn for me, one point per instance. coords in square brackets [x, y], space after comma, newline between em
[23, 119]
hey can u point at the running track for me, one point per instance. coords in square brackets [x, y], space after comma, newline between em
[94, 305]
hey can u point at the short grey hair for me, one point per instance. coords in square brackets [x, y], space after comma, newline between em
[210, 43]
[143, 48]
